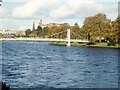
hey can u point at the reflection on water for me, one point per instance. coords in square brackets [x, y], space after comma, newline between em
[39, 64]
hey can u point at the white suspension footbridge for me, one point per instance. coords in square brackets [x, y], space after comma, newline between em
[68, 39]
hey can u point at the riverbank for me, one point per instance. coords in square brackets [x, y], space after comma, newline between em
[99, 45]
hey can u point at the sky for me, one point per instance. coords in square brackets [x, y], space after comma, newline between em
[20, 14]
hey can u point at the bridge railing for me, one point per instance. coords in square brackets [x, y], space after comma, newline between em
[42, 39]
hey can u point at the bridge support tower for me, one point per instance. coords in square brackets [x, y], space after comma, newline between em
[68, 38]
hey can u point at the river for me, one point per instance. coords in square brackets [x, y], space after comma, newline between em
[39, 64]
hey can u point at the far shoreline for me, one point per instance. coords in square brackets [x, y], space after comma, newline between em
[99, 45]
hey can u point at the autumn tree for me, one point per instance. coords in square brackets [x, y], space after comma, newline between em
[115, 32]
[95, 27]
[75, 31]
[54, 31]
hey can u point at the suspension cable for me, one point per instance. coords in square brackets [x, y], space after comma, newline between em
[58, 33]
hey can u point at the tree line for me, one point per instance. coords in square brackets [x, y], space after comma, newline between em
[97, 28]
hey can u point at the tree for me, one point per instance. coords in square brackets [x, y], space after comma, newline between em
[96, 27]
[45, 31]
[1, 35]
[115, 32]
[54, 31]
[39, 31]
[75, 31]
[28, 32]
[118, 34]
[76, 24]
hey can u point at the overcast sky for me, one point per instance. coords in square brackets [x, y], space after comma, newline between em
[20, 14]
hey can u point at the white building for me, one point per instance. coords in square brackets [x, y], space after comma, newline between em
[15, 32]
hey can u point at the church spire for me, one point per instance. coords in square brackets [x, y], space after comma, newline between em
[41, 21]
[33, 26]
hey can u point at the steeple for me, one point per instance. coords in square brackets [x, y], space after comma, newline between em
[33, 26]
[40, 21]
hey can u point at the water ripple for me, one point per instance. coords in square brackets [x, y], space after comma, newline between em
[41, 65]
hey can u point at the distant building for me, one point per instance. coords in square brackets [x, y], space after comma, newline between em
[42, 25]
[48, 25]
[53, 24]
[12, 32]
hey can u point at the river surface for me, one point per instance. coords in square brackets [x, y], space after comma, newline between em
[39, 64]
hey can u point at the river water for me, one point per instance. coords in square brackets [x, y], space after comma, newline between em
[39, 64]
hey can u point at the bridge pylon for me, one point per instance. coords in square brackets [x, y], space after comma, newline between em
[68, 38]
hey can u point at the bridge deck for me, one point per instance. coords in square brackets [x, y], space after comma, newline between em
[42, 39]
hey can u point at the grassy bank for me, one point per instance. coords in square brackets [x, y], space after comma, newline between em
[72, 44]
[104, 45]
[100, 45]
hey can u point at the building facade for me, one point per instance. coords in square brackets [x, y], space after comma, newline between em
[12, 32]
[48, 25]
